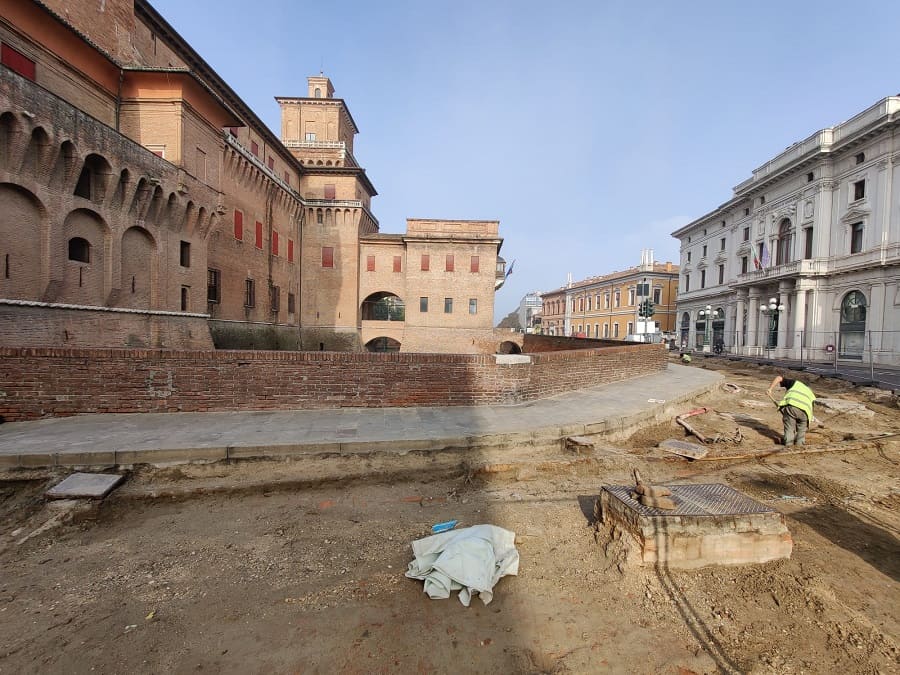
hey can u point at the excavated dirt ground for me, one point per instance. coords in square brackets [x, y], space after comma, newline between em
[265, 567]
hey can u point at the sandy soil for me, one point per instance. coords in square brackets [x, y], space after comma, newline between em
[265, 567]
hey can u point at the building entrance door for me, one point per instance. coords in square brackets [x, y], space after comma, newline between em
[853, 326]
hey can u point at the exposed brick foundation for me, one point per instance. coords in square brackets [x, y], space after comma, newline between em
[42, 382]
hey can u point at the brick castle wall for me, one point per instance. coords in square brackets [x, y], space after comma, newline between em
[46, 382]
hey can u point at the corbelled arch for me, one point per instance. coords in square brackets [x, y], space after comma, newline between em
[84, 282]
[24, 237]
[139, 272]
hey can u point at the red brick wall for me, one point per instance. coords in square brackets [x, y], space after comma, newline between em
[533, 344]
[41, 382]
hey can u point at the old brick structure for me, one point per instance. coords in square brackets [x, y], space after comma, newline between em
[40, 382]
[144, 204]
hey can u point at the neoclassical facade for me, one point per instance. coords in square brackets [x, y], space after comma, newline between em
[804, 260]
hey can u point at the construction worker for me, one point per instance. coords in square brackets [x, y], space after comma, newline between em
[796, 408]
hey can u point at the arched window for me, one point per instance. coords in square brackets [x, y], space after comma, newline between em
[79, 250]
[785, 238]
[685, 329]
[318, 93]
[853, 326]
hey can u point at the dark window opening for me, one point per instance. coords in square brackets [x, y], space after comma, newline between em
[859, 189]
[721, 274]
[213, 286]
[810, 177]
[275, 299]
[83, 186]
[184, 298]
[79, 250]
[860, 158]
[856, 237]
[744, 264]
[704, 251]
[184, 254]
[702, 278]
[746, 234]
[448, 305]
[249, 293]
[747, 211]
[423, 305]
[808, 244]
[133, 284]
[6, 267]
[292, 303]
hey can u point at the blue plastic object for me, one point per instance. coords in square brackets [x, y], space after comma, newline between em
[443, 527]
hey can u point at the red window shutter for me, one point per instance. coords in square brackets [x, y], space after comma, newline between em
[327, 256]
[474, 265]
[426, 262]
[449, 265]
[290, 250]
[258, 234]
[254, 148]
[233, 131]
[271, 163]
[287, 177]
[17, 61]
[397, 260]
[238, 225]
[370, 263]
[274, 243]
[329, 191]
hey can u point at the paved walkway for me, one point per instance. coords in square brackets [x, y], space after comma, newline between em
[107, 439]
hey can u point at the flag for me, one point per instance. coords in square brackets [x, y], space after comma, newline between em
[756, 262]
[509, 271]
[765, 256]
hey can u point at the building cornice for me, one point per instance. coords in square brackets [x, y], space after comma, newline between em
[297, 100]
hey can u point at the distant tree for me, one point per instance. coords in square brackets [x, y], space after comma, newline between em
[511, 320]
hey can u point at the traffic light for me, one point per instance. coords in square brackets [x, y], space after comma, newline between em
[649, 310]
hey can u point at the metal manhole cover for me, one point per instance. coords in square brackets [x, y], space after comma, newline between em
[712, 499]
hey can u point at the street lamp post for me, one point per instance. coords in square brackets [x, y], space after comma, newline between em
[772, 311]
[707, 320]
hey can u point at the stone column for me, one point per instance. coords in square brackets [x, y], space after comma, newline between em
[799, 318]
[740, 305]
[875, 316]
[784, 291]
[753, 322]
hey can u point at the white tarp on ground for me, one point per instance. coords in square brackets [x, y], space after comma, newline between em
[470, 560]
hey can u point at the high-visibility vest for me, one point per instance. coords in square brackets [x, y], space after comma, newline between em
[799, 396]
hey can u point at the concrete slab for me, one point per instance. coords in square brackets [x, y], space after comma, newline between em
[85, 486]
[684, 448]
[711, 525]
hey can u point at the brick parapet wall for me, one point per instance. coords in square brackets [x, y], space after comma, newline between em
[42, 382]
[536, 343]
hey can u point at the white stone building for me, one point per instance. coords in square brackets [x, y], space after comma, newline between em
[804, 260]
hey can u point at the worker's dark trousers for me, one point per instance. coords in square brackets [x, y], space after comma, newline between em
[795, 424]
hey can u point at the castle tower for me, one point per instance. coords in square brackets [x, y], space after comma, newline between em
[319, 130]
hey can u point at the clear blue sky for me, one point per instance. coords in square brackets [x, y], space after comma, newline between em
[589, 129]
